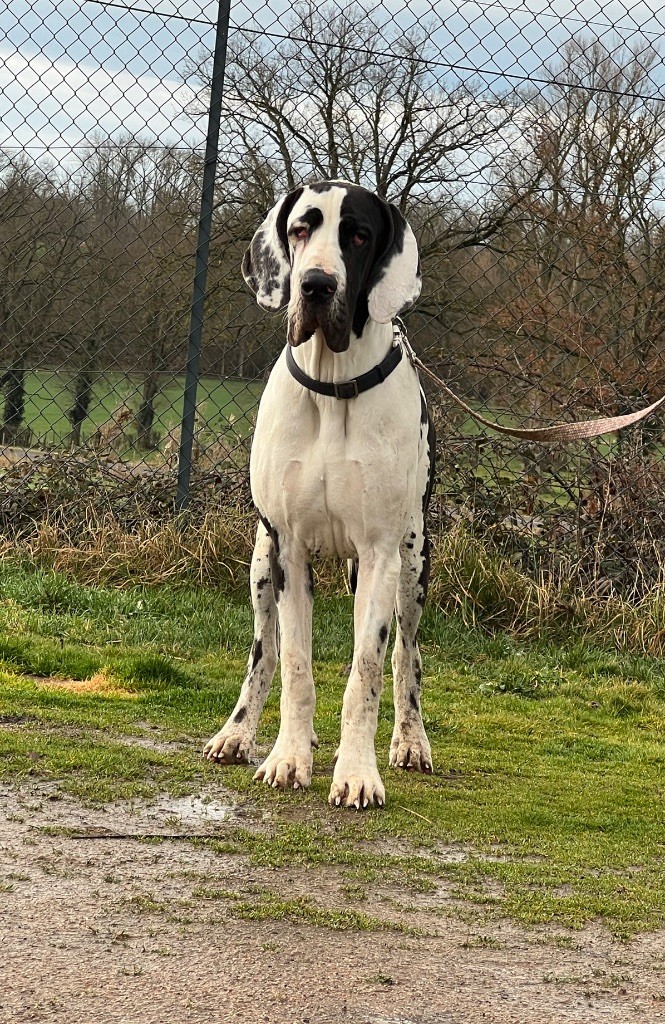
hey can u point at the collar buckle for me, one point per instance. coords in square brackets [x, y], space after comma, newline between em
[346, 389]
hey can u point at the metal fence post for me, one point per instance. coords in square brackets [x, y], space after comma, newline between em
[202, 254]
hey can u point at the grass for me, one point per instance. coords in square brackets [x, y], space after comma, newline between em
[469, 578]
[550, 756]
[222, 404]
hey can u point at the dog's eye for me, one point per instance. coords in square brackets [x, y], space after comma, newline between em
[360, 238]
[299, 234]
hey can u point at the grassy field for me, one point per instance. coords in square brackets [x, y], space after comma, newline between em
[549, 760]
[222, 404]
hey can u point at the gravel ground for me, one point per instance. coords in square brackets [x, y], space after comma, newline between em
[112, 930]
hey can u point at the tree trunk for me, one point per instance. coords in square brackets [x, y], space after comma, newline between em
[146, 415]
[83, 389]
[13, 384]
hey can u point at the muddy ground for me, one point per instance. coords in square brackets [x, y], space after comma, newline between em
[118, 930]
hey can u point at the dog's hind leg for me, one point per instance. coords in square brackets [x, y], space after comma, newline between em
[234, 743]
[410, 747]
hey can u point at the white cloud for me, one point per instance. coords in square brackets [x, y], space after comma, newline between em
[46, 103]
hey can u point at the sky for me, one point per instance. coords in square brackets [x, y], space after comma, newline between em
[71, 69]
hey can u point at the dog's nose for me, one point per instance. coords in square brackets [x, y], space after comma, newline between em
[317, 286]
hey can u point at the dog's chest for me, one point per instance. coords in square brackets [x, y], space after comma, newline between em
[334, 483]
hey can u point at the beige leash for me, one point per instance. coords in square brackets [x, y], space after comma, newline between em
[558, 431]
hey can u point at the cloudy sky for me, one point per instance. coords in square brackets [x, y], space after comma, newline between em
[73, 68]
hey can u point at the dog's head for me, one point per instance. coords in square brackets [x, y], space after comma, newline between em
[336, 254]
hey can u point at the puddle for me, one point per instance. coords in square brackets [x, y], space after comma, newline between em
[206, 814]
[192, 809]
[161, 746]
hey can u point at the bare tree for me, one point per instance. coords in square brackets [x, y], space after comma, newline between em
[339, 98]
[40, 233]
[583, 250]
[167, 233]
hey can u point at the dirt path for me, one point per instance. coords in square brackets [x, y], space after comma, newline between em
[123, 931]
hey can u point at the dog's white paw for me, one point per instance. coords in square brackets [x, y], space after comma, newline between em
[411, 751]
[360, 786]
[287, 765]
[231, 745]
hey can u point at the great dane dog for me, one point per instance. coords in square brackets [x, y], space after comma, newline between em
[341, 465]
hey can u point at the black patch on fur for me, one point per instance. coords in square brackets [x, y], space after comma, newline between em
[257, 653]
[283, 216]
[276, 570]
[424, 415]
[423, 579]
[373, 692]
[413, 700]
[383, 634]
[260, 584]
[431, 444]
[277, 574]
[240, 714]
[310, 580]
[419, 675]
[313, 218]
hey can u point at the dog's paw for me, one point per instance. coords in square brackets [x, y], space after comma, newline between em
[359, 787]
[411, 752]
[287, 765]
[229, 746]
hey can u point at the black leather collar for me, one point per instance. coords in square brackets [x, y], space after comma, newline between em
[347, 388]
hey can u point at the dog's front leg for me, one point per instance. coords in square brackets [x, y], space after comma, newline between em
[234, 743]
[356, 779]
[290, 761]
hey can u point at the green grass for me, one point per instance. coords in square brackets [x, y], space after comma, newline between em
[224, 405]
[550, 758]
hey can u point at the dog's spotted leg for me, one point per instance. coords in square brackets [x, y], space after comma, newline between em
[290, 761]
[234, 743]
[356, 780]
[410, 747]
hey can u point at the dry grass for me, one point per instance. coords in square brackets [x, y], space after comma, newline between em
[214, 551]
[99, 685]
[468, 579]
[485, 590]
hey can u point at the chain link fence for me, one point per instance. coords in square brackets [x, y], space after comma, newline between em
[524, 142]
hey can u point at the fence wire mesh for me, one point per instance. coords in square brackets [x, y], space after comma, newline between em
[524, 142]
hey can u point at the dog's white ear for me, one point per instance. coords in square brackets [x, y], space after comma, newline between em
[395, 281]
[266, 266]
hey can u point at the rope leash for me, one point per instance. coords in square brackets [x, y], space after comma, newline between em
[558, 431]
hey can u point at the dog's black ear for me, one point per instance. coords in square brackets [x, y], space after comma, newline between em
[266, 266]
[395, 281]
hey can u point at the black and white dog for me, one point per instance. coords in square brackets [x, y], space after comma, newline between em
[341, 464]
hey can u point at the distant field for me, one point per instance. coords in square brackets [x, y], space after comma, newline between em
[223, 405]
